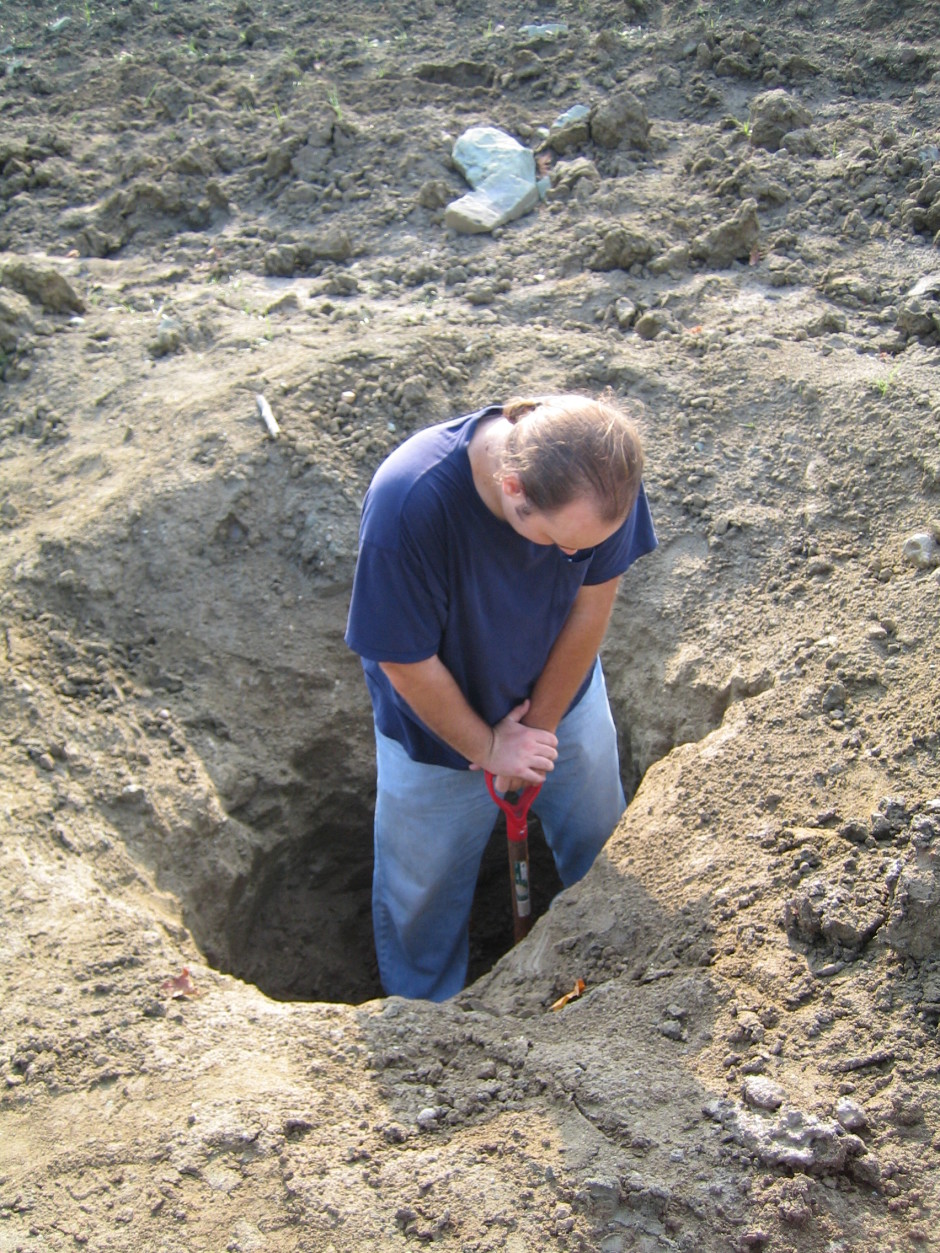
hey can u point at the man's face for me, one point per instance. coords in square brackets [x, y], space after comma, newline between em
[571, 528]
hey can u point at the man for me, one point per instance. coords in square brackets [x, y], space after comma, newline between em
[490, 552]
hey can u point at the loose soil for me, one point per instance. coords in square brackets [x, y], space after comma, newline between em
[209, 201]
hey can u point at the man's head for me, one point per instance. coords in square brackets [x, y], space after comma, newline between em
[569, 448]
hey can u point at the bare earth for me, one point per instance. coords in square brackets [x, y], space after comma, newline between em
[208, 201]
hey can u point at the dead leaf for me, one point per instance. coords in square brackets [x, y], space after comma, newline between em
[570, 996]
[180, 985]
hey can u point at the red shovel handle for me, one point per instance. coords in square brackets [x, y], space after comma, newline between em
[516, 812]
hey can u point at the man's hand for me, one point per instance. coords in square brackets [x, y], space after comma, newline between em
[518, 754]
[509, 750]
[504, 783]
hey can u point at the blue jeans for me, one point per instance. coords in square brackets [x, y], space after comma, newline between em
[432, 825]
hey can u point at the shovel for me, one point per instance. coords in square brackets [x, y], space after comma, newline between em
[518, 840]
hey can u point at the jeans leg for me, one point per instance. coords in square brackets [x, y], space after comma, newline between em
[582, 799]
[431, 828]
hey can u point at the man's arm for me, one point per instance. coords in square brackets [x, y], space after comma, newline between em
[572, 655]
[506, 750]
[568, 662]
[510, 748]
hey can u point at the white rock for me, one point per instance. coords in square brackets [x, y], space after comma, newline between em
[483, 151]
[921, 550]
[500, 199]
[502, 174]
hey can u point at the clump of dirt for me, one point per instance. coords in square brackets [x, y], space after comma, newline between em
[205, 203]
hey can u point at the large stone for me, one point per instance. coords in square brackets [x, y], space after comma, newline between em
[773, 114]
[502, 174]
[921, 550]
[483, 151]
[543, 32]
[42, 284]
[620, 121]
[731, 240]
[571, 129]
[498, 200]
[762, 1093]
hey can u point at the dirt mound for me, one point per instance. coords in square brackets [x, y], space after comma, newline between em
[204, 204]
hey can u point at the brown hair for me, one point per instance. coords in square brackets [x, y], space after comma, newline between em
[568, 446]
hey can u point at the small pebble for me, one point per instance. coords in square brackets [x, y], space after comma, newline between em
[851, 1115]
[763, 1093]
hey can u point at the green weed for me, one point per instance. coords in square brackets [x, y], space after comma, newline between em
[333, 100]
[882, 384]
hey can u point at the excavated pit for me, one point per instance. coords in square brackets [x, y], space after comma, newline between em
[250, 791]
[301, 928]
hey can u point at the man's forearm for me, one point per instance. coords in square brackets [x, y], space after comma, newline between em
[509, 747]
[431, 691]
[572, 655]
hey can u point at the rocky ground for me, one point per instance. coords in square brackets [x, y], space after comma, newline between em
[209, 201]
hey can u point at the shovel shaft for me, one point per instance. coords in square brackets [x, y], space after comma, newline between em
[518, 843]
[519, 878]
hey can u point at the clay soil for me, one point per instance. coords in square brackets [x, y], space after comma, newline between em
[210, 200]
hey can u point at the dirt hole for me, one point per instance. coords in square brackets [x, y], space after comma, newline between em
[301, 926]
[247, 779]
[253, 805]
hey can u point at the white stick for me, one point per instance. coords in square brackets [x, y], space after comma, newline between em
[269, 419]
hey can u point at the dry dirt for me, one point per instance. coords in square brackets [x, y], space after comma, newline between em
[204, 201]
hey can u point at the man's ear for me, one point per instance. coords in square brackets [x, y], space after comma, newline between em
[512, 486]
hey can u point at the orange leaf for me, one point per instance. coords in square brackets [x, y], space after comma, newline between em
[573, 995]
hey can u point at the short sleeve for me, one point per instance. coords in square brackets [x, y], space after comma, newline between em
[399, 599]
[633, 540]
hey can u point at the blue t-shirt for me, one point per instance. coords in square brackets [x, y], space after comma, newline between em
[439, 574]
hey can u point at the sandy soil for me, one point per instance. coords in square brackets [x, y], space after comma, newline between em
[208, 201]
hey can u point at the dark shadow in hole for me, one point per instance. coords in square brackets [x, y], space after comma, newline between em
[301, 927]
